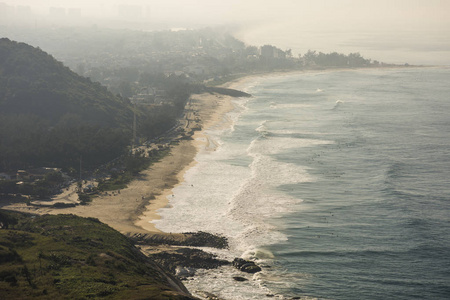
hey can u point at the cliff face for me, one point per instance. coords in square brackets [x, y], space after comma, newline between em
[69, 257]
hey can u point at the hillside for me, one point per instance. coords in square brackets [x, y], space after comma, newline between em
[33, 82]
[68, 257]
[51, 116]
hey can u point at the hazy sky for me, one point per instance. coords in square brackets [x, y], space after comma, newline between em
[322, 13]
[412, 27]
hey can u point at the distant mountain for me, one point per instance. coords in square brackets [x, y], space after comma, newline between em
[51, 116]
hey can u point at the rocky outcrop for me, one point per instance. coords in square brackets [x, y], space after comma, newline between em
[246, 265]
[227, 92]
[184, 261]
[239, 278]
[205, 239]
[192, 239]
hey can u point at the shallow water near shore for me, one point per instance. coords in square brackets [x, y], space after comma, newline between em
[335, 182]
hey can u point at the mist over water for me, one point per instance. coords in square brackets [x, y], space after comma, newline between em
[403, 31]
[420, 47]
[334, 181]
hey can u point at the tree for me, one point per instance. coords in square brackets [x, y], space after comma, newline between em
[310, 57]
[289, 53]
[125, 89]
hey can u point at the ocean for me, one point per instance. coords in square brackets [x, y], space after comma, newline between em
[337, 183]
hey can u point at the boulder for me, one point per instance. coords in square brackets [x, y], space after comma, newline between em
[238, 278]
[246, 266]
[239, 262]
[250, 268]
[184, 272]
[187, 260]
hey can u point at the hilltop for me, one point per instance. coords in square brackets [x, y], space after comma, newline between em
[33, 82]
[51, 116]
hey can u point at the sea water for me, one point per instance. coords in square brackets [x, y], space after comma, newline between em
[337, 183]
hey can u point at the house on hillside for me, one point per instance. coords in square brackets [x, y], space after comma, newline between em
[197, 70]
[143, 99]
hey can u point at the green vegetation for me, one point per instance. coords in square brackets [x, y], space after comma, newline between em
[68, 257]
[334, 59]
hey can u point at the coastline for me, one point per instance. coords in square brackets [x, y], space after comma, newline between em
[131, 209]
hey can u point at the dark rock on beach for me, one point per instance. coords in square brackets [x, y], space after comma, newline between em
[226, 91]
[238, 278]
[184, 260]
[246, 265]
[205, 239]
[250, 268]
[207, 295]
[192, 239]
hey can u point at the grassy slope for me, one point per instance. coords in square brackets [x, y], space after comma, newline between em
[68, 257]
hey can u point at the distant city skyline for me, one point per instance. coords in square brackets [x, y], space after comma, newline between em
[393, 30]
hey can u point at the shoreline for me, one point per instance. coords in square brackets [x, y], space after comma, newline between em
[131, 209]
[211, 109]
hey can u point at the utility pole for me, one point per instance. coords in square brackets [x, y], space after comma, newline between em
[134, 127]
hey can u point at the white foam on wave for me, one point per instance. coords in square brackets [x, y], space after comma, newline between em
[201, 202]
[295, 132]
[240, 107]
[237, 201]
[276, 145]
[290, 130]
[274, 105]
[338, 104]
[258, 201]
[220, 282]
